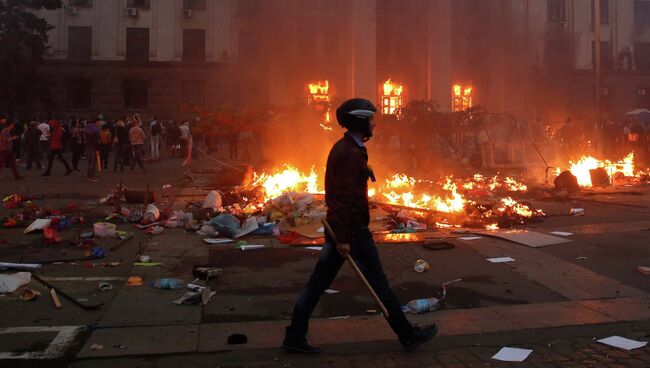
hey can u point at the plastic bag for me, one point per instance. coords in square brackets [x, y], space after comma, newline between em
[226, 225]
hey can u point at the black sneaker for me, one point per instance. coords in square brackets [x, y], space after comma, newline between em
[299, 345]
[419, 336]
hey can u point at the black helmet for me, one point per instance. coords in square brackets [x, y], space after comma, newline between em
[355, 114]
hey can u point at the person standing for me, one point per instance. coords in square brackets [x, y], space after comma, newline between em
[76, 143]
[105, 143]
[56, 148]
[346, 195]
[121, 145]
[91, 136]
[32, 148]
[155, 129]
[137, 138]
[185, 138]
[7, 157]
[44, 141]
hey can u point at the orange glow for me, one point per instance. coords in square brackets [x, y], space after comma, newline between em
[288, 179]
[581, 168]
[462, 97]
[319, 98]
[392, 98]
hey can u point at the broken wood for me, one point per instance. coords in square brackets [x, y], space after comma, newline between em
[55, 299]
[58, 291]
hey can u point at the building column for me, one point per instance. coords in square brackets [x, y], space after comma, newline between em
[364, 50]
[439, 52]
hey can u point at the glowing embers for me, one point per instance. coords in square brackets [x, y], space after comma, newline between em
[319, 98]
[392, 98]
[582, 168]
[461, 97]
[287, 179]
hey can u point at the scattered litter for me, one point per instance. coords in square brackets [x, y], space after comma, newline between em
[55, 298]
[577, 212]
[96, 347]
[251, 246]
[29, 294]
[581, 258]
[644, 270]
[248, 227]
[19, 266]
[213, 241]
[331, 291]
[501, 259]
[623, 343]
[421, 266]
[38, 224]
[151, 215]
[526, 237]
[207, 230]
[155, 230]
[104, 229]
[105, 286]
[428, 304]
[470, 238]
[512, 354]
[212, 200]
[147, 264]
[371, 311]
[10, 283]
[206, 272]
[561, 233]
[314, 248]
[134, 281]
[321, 229]
[340, 317]
[168, 283]
[144, 258]
[196, 297]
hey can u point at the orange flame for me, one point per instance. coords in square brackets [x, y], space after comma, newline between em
[580, 169]
[392, 97]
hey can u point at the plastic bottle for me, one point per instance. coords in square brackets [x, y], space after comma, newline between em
[168, 284]
[421, 305]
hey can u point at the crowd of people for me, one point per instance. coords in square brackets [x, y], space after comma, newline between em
[125, 142]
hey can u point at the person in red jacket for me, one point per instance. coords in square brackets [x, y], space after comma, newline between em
[56, 148]
[7, 157]
[346, 196]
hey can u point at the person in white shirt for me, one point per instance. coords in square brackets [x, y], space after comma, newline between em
[155, 132]
[44, 140]
[185, 137]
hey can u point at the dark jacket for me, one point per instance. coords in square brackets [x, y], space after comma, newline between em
[32, 136]
[346, 188]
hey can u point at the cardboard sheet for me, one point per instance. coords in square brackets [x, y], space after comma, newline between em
[525, 237]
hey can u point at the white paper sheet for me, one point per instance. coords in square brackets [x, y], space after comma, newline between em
[252, 246]
[512, 354]
[331, 291]
[470, 237]
[38, 224]
[501, 259]
[623, 343]
[217, 240]
[321, 229]
[314, 248]
[561, 233]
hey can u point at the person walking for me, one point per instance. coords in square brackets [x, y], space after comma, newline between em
[122, 145]
[56, 148]
[32, 148]
[91, 136]
[7, 157]
[44, 141]
[346, 196]
[105, 143]
[155, 133]
[185, 138]
[76, 143]
[137, 138]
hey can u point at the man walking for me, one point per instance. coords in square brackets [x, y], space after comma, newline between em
[137, 137]
[56, 148]
[91, 136]
[155, 132]
[44, 141]
[7, 157]
[32, 139]
[346, 196]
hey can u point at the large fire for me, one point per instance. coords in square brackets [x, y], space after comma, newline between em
[462, 97]
[392, 98]
[319, 97]
[581, 168]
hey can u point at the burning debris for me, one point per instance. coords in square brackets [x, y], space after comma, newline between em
[590, 172]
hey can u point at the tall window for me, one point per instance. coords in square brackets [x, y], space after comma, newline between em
[193, 94]
[605, 55]
[642, 55]
[137, 44]
[80, 43]
[136, 94]
[194, 4]
[556, 11]
[140, 4]
[78, 93]
[604, 11]
[193, 45]
[641, 12]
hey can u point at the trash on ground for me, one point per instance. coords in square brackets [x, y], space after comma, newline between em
[314, 248]
[19, 266]
[421, 266]
[104, 286]
[155, 230]
[251, 246]
[104, 229]
[29, 294]
[96, 347]
[55, 299]
[468, 238]
[525, 237]
[561, 233]
[147, 264]
[212, 200]
[144, 258]
[331, 291]
[644, 270]
[428, 304]
[577, 212]
[38, 224]
[206, 272]
[134, 281]
[168, 283]
[501, 259]
[512, 354]
[213, 241]
[623, 343]
[581, 258]
[340, 317]
[10, 283]
[196, 297]
[248, 227]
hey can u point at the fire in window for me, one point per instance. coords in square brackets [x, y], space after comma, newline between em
[392, 99]
[461, 97]
[319, 98]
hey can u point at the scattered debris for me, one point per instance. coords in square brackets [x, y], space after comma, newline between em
[214, 241]
[577, 212]
[525, 237]
[561, 233]
[581, 258]
[55, 299]
[331, 291]
[29, 294]
[19, 266]
[644, 270]
[104, 286]
[134, 281]
[512, 354]
[623, 343]
[428, 304]
[11, 283]
[96, 347]
[251, 246]
[501, 259]
[168, 283]
[104, 229]
[421, 266]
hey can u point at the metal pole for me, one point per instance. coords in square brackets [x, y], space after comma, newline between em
[597, 53]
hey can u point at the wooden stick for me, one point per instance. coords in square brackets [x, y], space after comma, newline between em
[356, 269]
[55, 298]
[99, 162]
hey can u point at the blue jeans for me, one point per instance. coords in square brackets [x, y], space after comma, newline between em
[364, 252]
